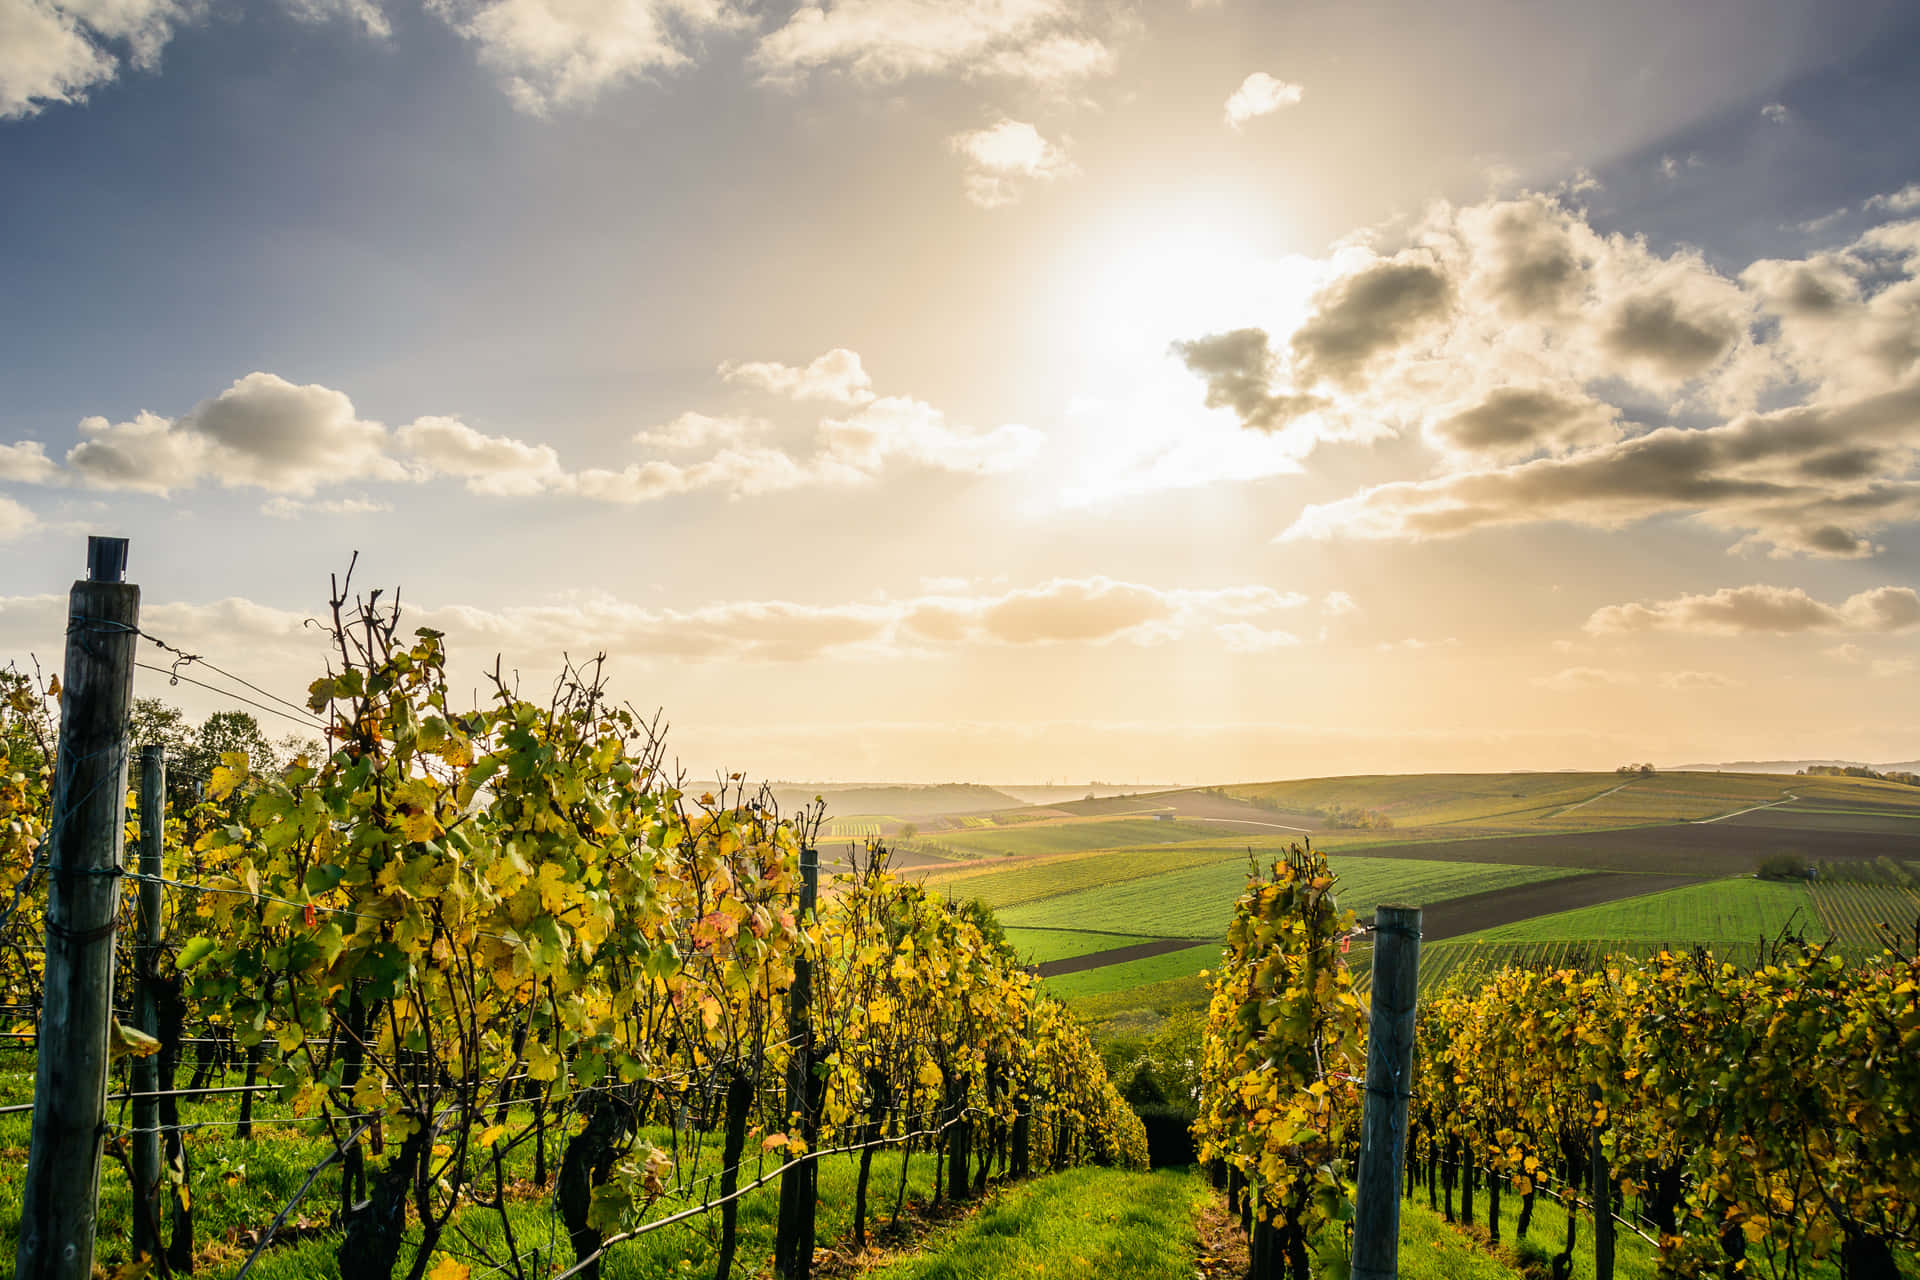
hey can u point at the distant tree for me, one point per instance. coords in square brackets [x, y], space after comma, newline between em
[1784, 866]
[909, 830]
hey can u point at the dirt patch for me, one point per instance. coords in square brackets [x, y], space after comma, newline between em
[1476, 911]
[888, 1241]
[1116, 955]
[1220, 1249]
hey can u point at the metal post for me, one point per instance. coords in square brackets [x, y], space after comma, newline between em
[793, 1243]
[146, 1071]
[58, 1211]
[1383, 1131]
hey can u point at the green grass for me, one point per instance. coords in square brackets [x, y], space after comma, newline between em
[1129, 974]
[1138, 1010]
[1737, 910]
[1432, 1250]
[1197, 902]
[1037, 946]
[1085, 1222]
[240, 1185]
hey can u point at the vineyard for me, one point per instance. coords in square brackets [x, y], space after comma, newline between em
[484, 992]
[1730, 1116]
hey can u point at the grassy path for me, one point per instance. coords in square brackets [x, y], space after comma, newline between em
[1085, 1222]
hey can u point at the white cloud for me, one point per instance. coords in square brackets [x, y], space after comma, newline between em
[1089, 611]
[59, 51]
[366, 14]
[489, 464]
[896, 427]
[1045, 42]
[27, 463]
[1261, 95]
[15, 520]
[1776, 113]
[285, 508]
[837, 376]
[1905, 200]
[1757, 608]
[698, 430]
[1572, 679]
[263, 432]
[1337, 603]
[1891, 668]
[1560, 374]
[1005, 156]
[267, 433]
[566, 53]
[1679, 680]
[54, 51]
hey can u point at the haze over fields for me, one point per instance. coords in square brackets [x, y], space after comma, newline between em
[1036, 389]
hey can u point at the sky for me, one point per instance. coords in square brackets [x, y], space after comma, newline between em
[1012, 390]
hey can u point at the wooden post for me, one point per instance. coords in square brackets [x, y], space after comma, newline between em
[1602, 1188]
[793, 1242]
[1383, 1131]
[146, 1071]
[57, 1212]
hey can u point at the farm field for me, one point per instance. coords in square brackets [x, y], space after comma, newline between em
[1028, 880]
[1026, 839]
[1568, 801]
[1720, 911]
[1197, 902]
[1039, 946]
[1704, 848]
[1853, 912]
[1134, 973]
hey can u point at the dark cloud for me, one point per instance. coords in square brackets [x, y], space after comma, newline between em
[1373, 310]
[1531, 268]
[1517, 421]
[1653, 328]
[1747, 474]
[1237, 368]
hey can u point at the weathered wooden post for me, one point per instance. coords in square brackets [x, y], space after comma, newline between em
[793, 1242]
[57, 1212]
[146, 1070]
[1601, 1179]
[1383, 1130]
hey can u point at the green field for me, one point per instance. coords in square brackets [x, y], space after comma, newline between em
[1129, 974]
[1072, 836]
[1030, 880]
[1037, 946]
[1853, 913]
[1737, 911]
[1568, 801]
[1197, 902]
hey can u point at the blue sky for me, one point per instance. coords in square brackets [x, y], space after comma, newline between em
[973, 484]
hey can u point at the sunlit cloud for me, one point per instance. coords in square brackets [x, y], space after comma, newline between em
[1524, 348]
[1044, 42]
[553, 53]
[1003, 158]
[267, 433]
[1779, 610]
[1261, 95]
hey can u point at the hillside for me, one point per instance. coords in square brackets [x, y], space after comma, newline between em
[895, 800]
